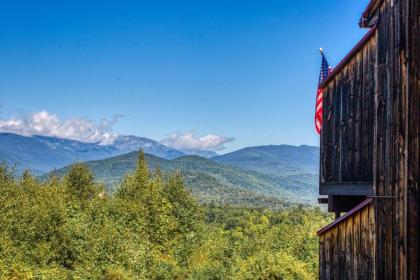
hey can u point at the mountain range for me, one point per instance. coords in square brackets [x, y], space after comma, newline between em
[41, 154]
[264, 176]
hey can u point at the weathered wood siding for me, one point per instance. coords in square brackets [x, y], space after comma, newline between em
[347, 249]
[348, 117]
[396, 148]
[397, 173]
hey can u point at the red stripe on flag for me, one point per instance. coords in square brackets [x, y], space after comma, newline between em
[318, 111]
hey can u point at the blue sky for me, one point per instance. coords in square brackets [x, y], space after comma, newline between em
[245, 70]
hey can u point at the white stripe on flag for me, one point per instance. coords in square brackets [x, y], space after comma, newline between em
[319, 107]
[319, 96]
[318, 124]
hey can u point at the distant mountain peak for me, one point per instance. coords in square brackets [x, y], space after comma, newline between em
[129, 143]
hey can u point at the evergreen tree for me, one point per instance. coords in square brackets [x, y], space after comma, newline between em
[185, 208]
[133, 185]
[80, 182]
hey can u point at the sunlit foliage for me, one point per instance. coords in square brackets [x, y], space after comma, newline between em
[151, 228]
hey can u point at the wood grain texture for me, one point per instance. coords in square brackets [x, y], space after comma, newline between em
[348, 248]
[347, 134]
[397, 141]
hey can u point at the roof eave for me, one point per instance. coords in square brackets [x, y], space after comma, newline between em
[365, 20]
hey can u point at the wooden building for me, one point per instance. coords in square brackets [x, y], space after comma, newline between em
[370, 150]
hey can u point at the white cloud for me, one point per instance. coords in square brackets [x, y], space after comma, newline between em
[189, 140]
[46, 124]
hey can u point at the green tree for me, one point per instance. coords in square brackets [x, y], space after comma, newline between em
[153, 228]
[80, 183]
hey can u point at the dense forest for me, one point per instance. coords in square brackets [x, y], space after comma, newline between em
[151, 227]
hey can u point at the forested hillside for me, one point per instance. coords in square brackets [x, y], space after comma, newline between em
[213, 181]
[150, 228]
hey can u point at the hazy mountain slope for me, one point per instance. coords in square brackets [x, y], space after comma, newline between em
[81, 150]
[208, 178]
[41, 154]
[201, 153]
[275, 160]
[296, 165]
[130, 143]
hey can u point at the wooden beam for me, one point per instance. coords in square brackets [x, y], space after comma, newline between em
[353, 189]
[323, 200]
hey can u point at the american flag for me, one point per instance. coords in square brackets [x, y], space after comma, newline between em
[325, 71]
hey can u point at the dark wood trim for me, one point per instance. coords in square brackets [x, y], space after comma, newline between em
[344, 217]
[323, 200]
[354, 189]
[373, 5]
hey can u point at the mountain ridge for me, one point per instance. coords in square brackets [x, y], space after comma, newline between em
[274, 159]
[266, 175]
[40, 154]
[202, 173]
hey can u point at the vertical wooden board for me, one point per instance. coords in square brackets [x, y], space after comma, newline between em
[331, 117]
[357, 121]
[349, 249]
[357, 126]
[371, 104]
[328, 255]
[356, 246]
[366, 109]
[322, 258]
[413, 169]
[322, 167]
[328, 125]
[332, 130]
[364, 130]
[375, 89]
[350, 125]
[372, 96]
[383, 211]
[336, 130]
[372, 240]
[379, 178]
[345, 121]
[362, 246]
[399, 135]
[363, 121]
[391, 119]
[336, 263]
[366, 246]
[334, 255]
[342, 250]
[331, 134]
